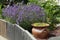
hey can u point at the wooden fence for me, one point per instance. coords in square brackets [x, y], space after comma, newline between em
[14, 31]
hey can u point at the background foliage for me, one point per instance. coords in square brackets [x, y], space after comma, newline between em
[51, 9]
[30, 13]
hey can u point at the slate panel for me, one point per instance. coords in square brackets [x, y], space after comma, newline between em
[10, 31]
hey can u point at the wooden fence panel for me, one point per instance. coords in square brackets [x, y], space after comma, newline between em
[3, 28]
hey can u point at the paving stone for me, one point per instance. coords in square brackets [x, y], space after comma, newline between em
[54, 38]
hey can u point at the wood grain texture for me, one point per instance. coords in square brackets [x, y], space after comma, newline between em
[3, 28]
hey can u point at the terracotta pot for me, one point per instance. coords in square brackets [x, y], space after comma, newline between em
[40, 31]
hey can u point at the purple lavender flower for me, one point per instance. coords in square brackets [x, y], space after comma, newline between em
[24, 12]
[24, 15]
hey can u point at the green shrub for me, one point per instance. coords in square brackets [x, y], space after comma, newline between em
[52, 10]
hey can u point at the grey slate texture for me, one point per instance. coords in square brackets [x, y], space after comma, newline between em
[10, 31]
[54, 38]
[16, 32]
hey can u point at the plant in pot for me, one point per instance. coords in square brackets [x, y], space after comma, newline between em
[40, 30]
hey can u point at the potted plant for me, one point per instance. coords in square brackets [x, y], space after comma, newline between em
[40, 30]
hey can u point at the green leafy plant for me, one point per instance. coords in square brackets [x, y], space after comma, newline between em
[51, 10]
[0, 11]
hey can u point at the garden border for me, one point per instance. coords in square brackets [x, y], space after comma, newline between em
[14, 31]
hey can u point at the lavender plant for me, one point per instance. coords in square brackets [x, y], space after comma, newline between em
[24, 15]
